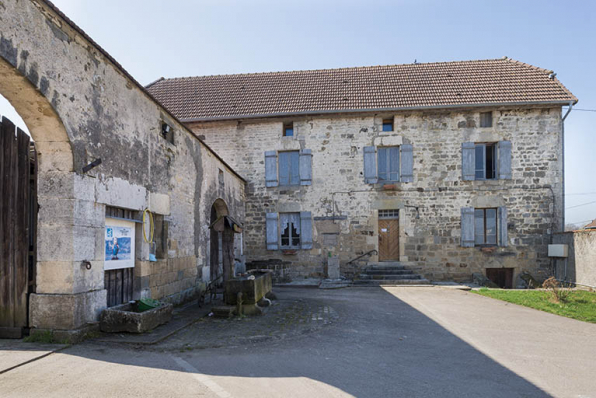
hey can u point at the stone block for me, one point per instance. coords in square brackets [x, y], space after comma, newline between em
[54, 277]
[120, 193]
[65, 311]
[159, 203]
[333, 268]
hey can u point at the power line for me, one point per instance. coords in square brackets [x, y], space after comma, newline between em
[583, 204]
[585, 110]
[579, 222]
[580, 193]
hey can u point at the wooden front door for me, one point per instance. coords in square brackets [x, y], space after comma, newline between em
[388, 239]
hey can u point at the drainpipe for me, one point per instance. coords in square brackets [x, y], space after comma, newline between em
[563, 159]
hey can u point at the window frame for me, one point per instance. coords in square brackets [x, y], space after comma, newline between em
[387, 122]
[289, 161]
[288, 126]
[388, 172]
[485, 234]
[484, 118]
[293, 217]
[484, 146]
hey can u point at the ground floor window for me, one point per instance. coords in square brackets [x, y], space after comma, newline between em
[290, 230]
[485, 226]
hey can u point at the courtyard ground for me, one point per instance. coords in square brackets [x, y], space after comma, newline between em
[366, 342]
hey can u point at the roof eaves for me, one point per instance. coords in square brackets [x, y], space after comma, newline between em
[362, 110]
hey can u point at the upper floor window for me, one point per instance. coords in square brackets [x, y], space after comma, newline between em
[486, 157]
[485, 226]
[289, 168]
[486, 119]
[288, 129]
[388, 162]
[387, 124]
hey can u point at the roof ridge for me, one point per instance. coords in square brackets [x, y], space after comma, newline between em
[334, 69]
[515, 61]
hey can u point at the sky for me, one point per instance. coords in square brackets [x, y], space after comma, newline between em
[155, 38]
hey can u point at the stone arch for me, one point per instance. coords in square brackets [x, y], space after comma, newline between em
[55, 269]
[218, 209]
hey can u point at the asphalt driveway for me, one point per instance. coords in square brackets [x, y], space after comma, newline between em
[430, 342]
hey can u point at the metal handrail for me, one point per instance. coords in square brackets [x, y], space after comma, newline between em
[365, 254]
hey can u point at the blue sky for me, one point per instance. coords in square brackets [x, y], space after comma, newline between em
[154, 38]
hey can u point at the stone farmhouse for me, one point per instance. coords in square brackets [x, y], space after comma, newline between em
[453, 168]
[450, 168]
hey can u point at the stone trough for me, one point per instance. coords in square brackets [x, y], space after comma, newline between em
[253, 291]
[127, 318]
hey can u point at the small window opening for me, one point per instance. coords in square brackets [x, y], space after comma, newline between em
[221, 178]
[288, 129]
[485, 226]
[387, 124]
[486, 119]
[486, 159]
[167, 132]
[289, 168]
[290, 230]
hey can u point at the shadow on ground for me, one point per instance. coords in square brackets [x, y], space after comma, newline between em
[378, 346]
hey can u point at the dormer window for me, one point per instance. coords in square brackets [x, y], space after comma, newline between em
[288, 130]
[387, 124]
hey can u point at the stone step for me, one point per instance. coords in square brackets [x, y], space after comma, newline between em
[388, 277]
[392, 282]
[388, 271]
[223, 311]
[384, 264]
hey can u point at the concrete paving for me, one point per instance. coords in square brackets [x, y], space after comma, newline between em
[428, 342]
[14, 353]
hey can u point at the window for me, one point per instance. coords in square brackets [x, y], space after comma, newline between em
[289, 230]
[485, 226]
[288, 129]
[486, 156]
[289, 173]
[167, 132]
[387, 124]
[388, 161]
[486, 119]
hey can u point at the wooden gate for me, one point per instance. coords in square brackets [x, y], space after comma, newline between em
[18, 217]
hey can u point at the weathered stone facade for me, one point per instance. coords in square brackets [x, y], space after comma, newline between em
[345, 208]
[81, 106]
[580, 266]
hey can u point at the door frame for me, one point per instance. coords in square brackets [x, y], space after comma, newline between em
[388, 214]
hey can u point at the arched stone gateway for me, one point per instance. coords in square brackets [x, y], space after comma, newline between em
[221, 243]
[103, 153]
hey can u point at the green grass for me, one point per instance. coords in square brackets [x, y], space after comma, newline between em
[581, 305]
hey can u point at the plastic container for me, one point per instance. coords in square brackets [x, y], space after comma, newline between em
[147, 304]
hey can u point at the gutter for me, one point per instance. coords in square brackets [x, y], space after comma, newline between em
[361, 110]
[563, 159]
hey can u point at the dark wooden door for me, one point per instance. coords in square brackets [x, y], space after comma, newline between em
[16, 216]
[388, 240]
[119, 285]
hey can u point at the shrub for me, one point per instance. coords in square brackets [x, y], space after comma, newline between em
[559, 293]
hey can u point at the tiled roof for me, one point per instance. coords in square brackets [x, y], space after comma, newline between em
[410, 86]
[591, 225]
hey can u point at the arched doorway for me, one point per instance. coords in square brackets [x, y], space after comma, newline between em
[218, 209]
[54, 167]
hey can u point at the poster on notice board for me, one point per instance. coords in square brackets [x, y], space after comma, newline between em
[119, 244]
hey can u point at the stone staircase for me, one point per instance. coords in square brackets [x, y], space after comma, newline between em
[389, 273]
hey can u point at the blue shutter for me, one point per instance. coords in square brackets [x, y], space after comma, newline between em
[467, 227]
[306, 229]
[271, 169]
[370, 165]
[502, 226]
[468, 161]
[504, 167]
[305, 167]
[272, 235]
[407, 163]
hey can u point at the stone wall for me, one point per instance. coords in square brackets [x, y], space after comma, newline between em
[81, 106]
[345, 208]
[581, 263]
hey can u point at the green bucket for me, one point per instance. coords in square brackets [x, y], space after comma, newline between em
[147, 304]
